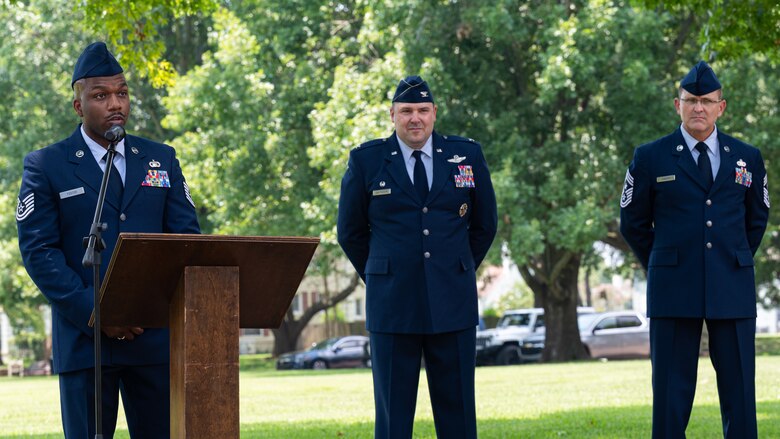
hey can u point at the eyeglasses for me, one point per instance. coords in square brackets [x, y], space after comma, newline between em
[704, 102]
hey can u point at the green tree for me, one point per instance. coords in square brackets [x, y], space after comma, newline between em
[557, 92]
[34, 80]
[731, 29]
[39, 44]
[243, 115]
[746, 36]
[140, 30]
[265, 111]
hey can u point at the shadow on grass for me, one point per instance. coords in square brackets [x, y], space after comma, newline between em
[607, 422]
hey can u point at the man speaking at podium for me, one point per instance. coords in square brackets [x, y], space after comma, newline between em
[57, 199]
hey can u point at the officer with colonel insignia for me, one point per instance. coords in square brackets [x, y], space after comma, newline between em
[57, 201]
[694, 209]
[417, 215]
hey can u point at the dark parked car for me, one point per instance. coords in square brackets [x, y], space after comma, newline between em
[339, 352]
[617, 334]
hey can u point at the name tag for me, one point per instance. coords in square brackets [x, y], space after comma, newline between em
[71, 193]
[664, 178]
[381, 192]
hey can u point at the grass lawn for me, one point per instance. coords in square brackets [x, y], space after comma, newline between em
[578, 400]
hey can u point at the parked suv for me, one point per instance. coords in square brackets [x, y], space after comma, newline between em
[501, 345]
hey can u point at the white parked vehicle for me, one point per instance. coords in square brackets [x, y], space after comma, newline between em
[616, 334]
[501, 345]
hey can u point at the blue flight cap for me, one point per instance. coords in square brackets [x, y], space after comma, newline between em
[414, 90]
[95, 60]
[700, 80]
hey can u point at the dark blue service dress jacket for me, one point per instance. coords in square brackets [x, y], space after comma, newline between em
[417, 257]
[57, 200]
[696, 244]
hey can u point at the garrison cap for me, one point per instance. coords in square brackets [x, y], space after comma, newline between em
[95, 60]
[700, 80]
[414, 90]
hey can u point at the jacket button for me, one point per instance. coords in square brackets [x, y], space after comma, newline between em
[709, 223]
[708, 202]
[427, 255]
[425, 210]
[122, 217]
[426, 232]
[709, 245]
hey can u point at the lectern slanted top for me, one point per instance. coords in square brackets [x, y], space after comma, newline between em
[145, 270]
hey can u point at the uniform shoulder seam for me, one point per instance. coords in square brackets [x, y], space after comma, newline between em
[371, 144]
[459, 139]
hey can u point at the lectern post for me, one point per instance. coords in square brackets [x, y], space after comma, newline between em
[204, 365]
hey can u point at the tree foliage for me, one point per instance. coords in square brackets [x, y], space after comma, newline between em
[243, 119]
[264, 99]
[34, 81]
[549, 88]
[731, 29]
[134, 30]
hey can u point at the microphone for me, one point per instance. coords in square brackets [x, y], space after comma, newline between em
[115, 134]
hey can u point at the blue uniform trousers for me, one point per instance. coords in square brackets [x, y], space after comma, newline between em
[145, 397]
[674, 351]
[449, 365]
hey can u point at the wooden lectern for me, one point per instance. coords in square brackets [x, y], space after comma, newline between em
[203, 287]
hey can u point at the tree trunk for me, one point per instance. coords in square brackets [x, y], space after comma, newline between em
[588, 291]
[286, 336]
[553, 278]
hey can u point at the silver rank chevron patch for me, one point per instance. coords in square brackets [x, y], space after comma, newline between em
[766, 191]
[628, 190]
[25, 207]
[187, 194]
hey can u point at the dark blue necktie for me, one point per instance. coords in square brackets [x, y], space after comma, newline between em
[705, 167]
[115, 185]
[420, 177]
